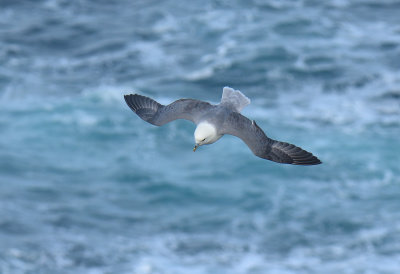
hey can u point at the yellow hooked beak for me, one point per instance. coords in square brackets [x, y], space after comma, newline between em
[195, 147]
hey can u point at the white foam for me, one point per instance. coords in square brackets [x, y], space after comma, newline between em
[166, 25]
[350, 110]
[107, 93]
[201, 74]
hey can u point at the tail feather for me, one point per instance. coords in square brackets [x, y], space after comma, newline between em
[234, 99]
[145, 107]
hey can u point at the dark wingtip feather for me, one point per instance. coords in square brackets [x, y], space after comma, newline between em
[290, 154]
[129, 99]
[137, 102]
[305, 158]
[145, 107]
[310, 162]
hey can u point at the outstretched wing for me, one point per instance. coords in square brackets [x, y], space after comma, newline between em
[264, 147]
[157, 114]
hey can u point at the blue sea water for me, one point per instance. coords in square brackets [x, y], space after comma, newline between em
[88, 187]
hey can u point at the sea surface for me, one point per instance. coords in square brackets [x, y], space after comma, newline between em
[88, 187]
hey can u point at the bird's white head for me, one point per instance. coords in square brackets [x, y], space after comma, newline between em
[205, 134]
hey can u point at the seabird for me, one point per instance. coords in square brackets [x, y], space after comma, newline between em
[214, 121]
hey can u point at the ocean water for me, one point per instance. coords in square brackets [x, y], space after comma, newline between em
[88, 187]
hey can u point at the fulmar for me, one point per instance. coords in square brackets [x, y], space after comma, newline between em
[214, 121]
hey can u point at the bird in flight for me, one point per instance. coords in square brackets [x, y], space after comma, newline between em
[214, 121]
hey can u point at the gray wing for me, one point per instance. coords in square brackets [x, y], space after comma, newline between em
[264, 147]
[157, 114]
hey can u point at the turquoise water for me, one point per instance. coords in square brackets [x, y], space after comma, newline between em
[88, 187]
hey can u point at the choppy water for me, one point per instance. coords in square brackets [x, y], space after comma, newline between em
[87, 187]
